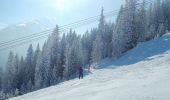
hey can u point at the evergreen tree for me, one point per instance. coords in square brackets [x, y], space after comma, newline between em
[9, 75]
[56, 57]
[15, 72]
[21, 73]
[41, 73]
[97, 49]
[150, 24]
[2, 95]
[102, 32]
[16, 93]
[38, 73]
[1, 78]
[35, 58]
[101, 22]
[141, 27]
[166, 10]
[118, 40]
[109, 27]
[131, 36]
[72, 61]
[29, 68]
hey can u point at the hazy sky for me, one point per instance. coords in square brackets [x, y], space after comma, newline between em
[64, 11]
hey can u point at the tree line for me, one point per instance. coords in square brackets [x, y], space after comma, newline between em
[61, 55]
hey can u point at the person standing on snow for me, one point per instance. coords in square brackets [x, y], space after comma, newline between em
[80, 73]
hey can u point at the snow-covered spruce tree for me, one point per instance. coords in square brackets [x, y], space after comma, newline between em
[15, 66]
[57, 57]
[158, 13]
[131, 36]
[156, 22]
[35, 59]
[1, 78]
[102, 33]
[62, 46]
[21, 73]
[48, 62]
[97, 49]
[9, 76]
[76, 54]
[92, 37]
[109, 27]
[72, 61]
[39, 71]
[16, 93]
[118, 40]
[82, 57]
[29, 68]
[126, 31]
[101, 26]
[67, 53]
[166, 10]
[151, 29]
[141, 23]
[86, 48]
[160, 17]
[29, 86]
[2, 95]
[42, 66]
[161, 29]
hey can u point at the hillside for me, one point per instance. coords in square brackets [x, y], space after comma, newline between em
[19, 30]
[141, 74]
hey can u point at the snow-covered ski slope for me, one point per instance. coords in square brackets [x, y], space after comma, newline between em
[142, 74]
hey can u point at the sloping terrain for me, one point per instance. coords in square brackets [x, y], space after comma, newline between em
[141, 74]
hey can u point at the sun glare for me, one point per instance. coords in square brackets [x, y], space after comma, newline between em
[65, 5]
[62, 4]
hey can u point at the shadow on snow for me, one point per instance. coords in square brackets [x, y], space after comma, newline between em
[142, 52]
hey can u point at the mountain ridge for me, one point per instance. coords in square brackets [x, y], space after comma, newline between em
[23, 29]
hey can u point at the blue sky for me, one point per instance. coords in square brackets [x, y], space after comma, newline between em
[63, 11]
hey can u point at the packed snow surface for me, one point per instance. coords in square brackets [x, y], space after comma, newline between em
[141, 74]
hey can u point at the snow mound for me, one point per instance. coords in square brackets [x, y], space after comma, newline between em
[141, 74]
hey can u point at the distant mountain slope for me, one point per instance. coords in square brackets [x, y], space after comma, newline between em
[20, 30]
[141, 74]
[2, 26]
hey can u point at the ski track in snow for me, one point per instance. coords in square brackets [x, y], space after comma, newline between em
[141, 74]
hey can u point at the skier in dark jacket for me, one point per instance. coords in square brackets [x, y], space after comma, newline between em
[80, 73]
